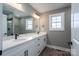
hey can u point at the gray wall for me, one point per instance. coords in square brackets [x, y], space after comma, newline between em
[58, 38]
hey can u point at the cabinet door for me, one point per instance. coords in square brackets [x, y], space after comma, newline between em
[41, 43]
[16, 51]
[32, 49]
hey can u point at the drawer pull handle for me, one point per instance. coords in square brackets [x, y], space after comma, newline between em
[26, 53]
[38, 52]
[44, 39]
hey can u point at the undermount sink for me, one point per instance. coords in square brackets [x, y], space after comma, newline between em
[19, 39]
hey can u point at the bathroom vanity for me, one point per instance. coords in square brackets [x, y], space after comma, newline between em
[30, 44]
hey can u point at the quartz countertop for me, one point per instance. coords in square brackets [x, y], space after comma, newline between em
[11, 42]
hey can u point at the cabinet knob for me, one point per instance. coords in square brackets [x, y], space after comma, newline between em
[70, 43]
[38, 39]
[0, 52]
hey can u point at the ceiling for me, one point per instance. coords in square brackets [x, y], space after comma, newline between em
[7, 9]
[40, 7]
[45, 7]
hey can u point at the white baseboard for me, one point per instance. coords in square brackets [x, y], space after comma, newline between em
[59, 48]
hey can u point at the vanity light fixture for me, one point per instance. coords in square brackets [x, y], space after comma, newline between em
[17, 6]
[36, 16]
[9, 21]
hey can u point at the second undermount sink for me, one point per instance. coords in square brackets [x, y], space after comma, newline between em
[20, 39]
[23, 38]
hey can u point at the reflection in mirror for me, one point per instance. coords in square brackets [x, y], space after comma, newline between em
[24, 25]
[18, 22]
[10, 26]
[8, 23]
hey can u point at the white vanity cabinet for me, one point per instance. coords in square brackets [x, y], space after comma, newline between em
[41, 43]
[31, 48]
[16, 51]
[37, 45]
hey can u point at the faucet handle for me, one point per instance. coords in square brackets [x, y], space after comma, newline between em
[17, 34]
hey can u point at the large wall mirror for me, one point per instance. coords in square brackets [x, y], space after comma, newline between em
[18, 22]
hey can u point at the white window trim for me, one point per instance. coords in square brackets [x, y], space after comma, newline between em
[62, 20]
[32, 26]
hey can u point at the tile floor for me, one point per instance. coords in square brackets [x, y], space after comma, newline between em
[54, 52]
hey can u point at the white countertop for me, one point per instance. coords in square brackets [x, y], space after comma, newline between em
[11, 42]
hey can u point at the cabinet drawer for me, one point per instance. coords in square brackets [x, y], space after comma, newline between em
[41, 43]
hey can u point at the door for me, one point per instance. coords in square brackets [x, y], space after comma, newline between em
[5, 24]
[1, 28]
[75, 29]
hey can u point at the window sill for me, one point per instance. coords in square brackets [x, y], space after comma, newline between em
[57, 30]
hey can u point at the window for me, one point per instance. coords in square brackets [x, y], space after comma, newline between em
[29, 23]
[56, 21]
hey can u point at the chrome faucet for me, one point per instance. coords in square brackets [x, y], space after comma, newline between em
[38, 32]
[16, 35]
